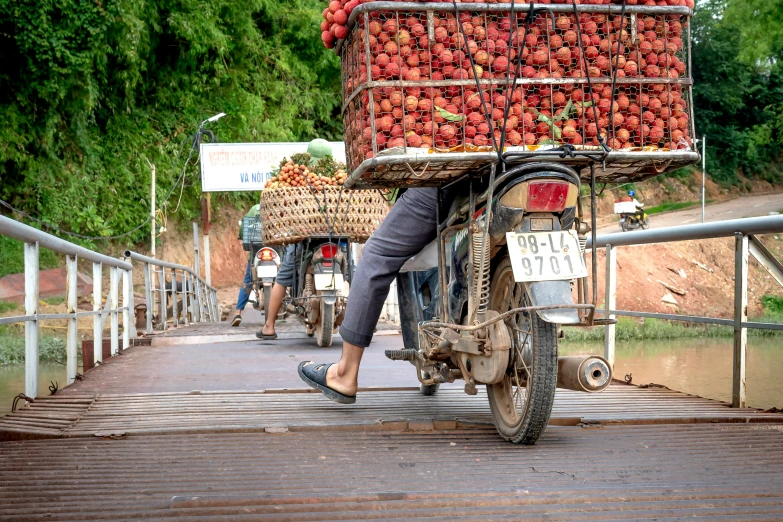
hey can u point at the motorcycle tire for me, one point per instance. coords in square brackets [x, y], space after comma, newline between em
[522, 419]
[645, 224]
[325, 326]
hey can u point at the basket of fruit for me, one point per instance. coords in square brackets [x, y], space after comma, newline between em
[305, 199]
[434, 90]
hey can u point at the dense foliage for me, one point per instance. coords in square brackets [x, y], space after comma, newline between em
[738, 86]
[91, 90]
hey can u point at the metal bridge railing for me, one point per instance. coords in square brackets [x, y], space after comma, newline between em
[199, 299]
[120, 283]
[744, 231]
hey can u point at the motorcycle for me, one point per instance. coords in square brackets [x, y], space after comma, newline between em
[266, 263]
[637, 220]
[322, 266]
[631, 217]
[484, 302]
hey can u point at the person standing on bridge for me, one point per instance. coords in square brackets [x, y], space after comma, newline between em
[244, 290]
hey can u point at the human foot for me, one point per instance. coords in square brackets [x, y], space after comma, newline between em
[315, 375]
[266, 334]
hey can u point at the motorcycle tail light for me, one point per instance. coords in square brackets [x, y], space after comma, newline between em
[547, 196]
[267, 254]
[328, 251]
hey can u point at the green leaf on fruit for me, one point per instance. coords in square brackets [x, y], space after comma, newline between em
[446, 115]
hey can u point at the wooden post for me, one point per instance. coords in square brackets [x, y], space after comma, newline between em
[740, 317]
[610, 303]
[31, 325]
[71, 303]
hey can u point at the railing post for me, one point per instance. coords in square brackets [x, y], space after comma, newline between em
[174, 305]
[31, 326]
[216, 311]
[71, 303]
[740, 317]
[148, 296]
[196, 260]
[97, 305]
[192, 298]
[200, 301]
[163, 306]
[610, 303]
[185, 297]
[127, 323]
[114, 305]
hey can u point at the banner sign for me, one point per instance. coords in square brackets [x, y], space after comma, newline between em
[234, 167]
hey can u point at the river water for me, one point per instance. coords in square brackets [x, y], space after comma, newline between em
[696, 366]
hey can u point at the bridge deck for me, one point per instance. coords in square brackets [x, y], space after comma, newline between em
[227, 431]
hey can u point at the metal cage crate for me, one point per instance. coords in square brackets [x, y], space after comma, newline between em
[414, 115]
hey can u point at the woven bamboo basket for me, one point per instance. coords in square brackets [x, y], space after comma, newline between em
[292, 214]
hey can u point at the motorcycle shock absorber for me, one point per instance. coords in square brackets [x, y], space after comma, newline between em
[481, 277]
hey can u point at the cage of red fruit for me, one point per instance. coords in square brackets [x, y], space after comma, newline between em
[422, 75]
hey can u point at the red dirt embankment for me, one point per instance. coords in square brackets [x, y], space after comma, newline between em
[708, 285]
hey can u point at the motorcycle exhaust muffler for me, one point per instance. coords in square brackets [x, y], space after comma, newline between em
[582, 373]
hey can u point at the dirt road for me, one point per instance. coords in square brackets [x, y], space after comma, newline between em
[744, 207]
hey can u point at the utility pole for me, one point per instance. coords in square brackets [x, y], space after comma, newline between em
[206, 215]
[703, 173]
[152, 211]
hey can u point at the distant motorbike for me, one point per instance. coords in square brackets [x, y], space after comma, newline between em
[323, 265]
[631, 217]
[637, 220]
[266, 263]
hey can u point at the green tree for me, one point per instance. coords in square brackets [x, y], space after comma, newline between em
[88, 90]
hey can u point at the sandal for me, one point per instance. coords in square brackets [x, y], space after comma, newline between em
[264, 337]
[315, 375]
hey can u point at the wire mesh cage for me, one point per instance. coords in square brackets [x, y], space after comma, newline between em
[252, 232]
[430, 89]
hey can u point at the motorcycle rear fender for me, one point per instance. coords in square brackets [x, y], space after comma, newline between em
[553, 293]
[328, 296]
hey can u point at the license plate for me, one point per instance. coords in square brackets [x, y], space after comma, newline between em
[329, 282]
[266, 271]
[545, 256]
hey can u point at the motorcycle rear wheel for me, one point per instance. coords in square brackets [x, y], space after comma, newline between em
[267, 297]
[521, 403]
[325, 325]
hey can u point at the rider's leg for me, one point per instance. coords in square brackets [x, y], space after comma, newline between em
[408, 228]
[284, 280]
[275, 303]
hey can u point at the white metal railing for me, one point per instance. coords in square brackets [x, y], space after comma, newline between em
[120, 283]
[199, 299]
[744, 232]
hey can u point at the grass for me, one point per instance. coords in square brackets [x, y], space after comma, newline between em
[50, 348]
[7, 306]
[670, 207]
[54, 301]
[12, 257]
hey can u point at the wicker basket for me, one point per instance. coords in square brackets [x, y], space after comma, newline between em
[292, 214]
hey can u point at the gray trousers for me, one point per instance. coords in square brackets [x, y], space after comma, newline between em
[407, 229]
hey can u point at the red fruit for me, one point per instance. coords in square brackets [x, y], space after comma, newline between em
[335, 6]
[385, 124]
[392, 70]
[656, 134]
[341, 32]
[328, 39]
[447, 132]
[325, 25]
[563, 55]
[396, 131]
[396, 142]
[501, 64]
[340, 17]
[413, 139]
[632, 123]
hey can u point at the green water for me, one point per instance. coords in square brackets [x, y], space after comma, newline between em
[12, 382]
[699, 366]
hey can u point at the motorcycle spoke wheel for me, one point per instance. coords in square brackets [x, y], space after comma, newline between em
[522, 402]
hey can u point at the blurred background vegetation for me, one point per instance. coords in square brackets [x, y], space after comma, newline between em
[89, 91]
